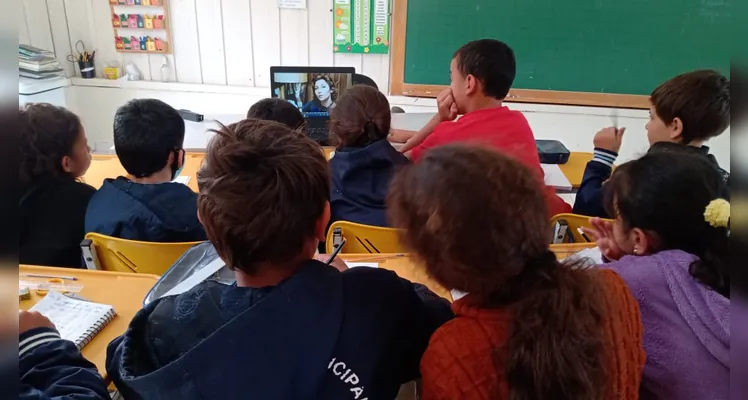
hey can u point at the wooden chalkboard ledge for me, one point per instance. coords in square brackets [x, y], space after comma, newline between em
[538, 96]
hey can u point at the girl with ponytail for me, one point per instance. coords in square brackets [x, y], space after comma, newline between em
[364, 160]
[669, 243]
[527, 326]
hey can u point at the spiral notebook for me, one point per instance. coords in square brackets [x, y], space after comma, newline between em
[76, 320]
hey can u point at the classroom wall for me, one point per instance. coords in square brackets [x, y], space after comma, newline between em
[219, 42]
[222, 53]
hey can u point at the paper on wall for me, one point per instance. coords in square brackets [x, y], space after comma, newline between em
[297, 4]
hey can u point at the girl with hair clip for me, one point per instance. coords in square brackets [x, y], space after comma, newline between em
[364, 160]
[526, 326]
[669, 242]
[325, 94]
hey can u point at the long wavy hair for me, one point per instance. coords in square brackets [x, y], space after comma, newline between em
[478, 221]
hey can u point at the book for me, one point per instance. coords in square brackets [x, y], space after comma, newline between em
[31, 50]
[38, 68]
[78, 321]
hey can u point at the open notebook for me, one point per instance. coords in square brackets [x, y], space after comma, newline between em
[77, 320]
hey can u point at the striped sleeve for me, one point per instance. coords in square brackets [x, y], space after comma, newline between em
[35, 337]
[604, 156]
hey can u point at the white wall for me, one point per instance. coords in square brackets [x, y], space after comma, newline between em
[223, 50]
[219, 42]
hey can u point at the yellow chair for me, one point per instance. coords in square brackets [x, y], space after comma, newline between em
[122, 255]
[573, 222]
[363, 238]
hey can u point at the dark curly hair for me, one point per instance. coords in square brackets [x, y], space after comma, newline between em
[665, 194]
[360, 118]
[478, 221]
[48, 133]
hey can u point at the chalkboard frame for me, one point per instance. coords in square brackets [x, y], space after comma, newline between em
[398, 86]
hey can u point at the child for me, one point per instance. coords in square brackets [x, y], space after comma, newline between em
[291, 327]
[689, 109]
[147, 205]
[670, 240]
[54, 154]
[526, 326]
[481, 74]
[53, 368]
[364, 160]
[279, 110]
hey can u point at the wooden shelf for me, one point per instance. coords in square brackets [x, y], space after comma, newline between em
[164, 6]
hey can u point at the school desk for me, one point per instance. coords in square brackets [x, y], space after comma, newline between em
[124, 291]
[108, 166]
[405, 267]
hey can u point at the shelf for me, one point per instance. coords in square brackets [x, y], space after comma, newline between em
[139, 29]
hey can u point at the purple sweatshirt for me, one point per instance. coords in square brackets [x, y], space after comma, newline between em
[686, 328]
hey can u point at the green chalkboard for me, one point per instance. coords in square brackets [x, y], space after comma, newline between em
[597, 46]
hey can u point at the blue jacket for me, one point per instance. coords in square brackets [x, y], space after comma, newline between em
[589, 200]
[320, 334]
[164, 212]
[360, 181]
[53, 368]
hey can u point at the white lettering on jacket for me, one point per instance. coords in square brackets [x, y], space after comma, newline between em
[347, 376]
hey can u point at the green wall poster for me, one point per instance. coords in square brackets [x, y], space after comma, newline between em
[361, 26]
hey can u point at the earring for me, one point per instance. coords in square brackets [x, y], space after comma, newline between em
[636, 251]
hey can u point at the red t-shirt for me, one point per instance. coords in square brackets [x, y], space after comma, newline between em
[498, 127]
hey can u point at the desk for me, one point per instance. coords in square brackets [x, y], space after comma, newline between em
[405, 267]
[124, 291]
[108, 166]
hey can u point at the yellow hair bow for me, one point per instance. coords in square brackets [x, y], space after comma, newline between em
[717, 213]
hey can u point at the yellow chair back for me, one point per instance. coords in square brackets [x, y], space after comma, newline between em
[364, 238]
[124, 255]
[573, 222]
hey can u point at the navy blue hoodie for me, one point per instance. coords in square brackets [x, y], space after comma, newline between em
[320, 334]
[360, 181]
[51, 368]
[163, 212]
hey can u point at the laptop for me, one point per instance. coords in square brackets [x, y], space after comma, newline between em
[314, 91]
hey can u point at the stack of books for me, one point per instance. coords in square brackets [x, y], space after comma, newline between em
[37, 63]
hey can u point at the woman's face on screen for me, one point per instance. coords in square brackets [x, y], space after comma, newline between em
[322, 90]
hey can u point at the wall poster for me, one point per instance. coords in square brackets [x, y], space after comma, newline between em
[361, 26]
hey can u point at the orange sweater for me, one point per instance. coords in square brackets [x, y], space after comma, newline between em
[459, 363]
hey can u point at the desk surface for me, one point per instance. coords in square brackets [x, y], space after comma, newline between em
[108, 166]
[124, 291]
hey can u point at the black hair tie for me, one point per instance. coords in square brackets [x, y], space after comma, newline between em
[371, 131]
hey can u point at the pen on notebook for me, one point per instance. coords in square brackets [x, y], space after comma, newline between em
[614, 118]
[335, 252]
[68, 278]
[581, 232]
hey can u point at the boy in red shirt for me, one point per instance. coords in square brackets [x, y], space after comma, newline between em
[481, 74]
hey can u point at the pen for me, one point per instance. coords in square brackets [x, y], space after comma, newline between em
[581, 232]
[69, 278]
[335, 252]
[614, 119]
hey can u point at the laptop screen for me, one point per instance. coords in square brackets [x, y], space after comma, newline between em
[314, 93]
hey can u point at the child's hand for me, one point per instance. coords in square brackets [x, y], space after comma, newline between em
[447, 106]
[337, 263]
[602, 233]
[609, 139]
[28, 320]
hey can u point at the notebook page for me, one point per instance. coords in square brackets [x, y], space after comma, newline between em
[74, 319]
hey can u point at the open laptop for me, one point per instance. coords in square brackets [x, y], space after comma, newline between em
[314, 90]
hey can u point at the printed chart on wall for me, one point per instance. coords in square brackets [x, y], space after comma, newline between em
[361, 26]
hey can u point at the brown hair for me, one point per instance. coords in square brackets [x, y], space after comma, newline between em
[700, 99]
[478, 221]
[48, 134]
[278, 110]
[361, 117]
[263, 187]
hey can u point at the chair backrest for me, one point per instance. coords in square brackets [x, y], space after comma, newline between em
[124, 255]
[573, 222]
[364, 238]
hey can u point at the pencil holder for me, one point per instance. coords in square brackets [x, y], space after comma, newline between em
[87, 69]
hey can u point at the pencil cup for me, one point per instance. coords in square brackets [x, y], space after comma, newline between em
[87, 69]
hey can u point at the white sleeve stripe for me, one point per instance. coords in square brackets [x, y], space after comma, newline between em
[37, 343]
[603, 161]
[38, 336]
